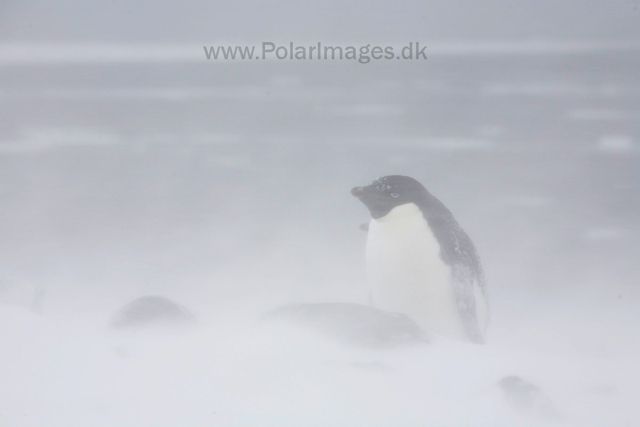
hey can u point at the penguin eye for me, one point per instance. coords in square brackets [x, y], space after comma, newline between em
[395, 195]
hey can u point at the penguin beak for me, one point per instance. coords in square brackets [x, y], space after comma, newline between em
[358, 192]
[371, 199]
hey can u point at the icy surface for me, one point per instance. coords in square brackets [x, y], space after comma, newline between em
[235, 370]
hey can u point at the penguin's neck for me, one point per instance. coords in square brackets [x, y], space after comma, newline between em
[402, 214]
[403, 228]
[403, 241]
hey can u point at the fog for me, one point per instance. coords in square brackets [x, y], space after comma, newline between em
[133, 166]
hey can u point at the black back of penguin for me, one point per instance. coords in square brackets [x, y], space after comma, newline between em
[456, 248]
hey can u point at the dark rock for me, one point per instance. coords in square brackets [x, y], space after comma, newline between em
[151, 310]
[353, 324]
[527, 398]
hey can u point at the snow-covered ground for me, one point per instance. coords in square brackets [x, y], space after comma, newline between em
[233, 369]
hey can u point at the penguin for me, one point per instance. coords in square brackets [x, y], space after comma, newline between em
[420, 262]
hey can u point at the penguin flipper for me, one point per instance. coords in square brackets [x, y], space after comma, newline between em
[463, 284]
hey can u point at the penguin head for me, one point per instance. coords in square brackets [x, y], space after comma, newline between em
[387, 192]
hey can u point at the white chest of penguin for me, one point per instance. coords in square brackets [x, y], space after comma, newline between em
[406, 273]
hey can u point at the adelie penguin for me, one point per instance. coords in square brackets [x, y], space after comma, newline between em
[420, 262]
